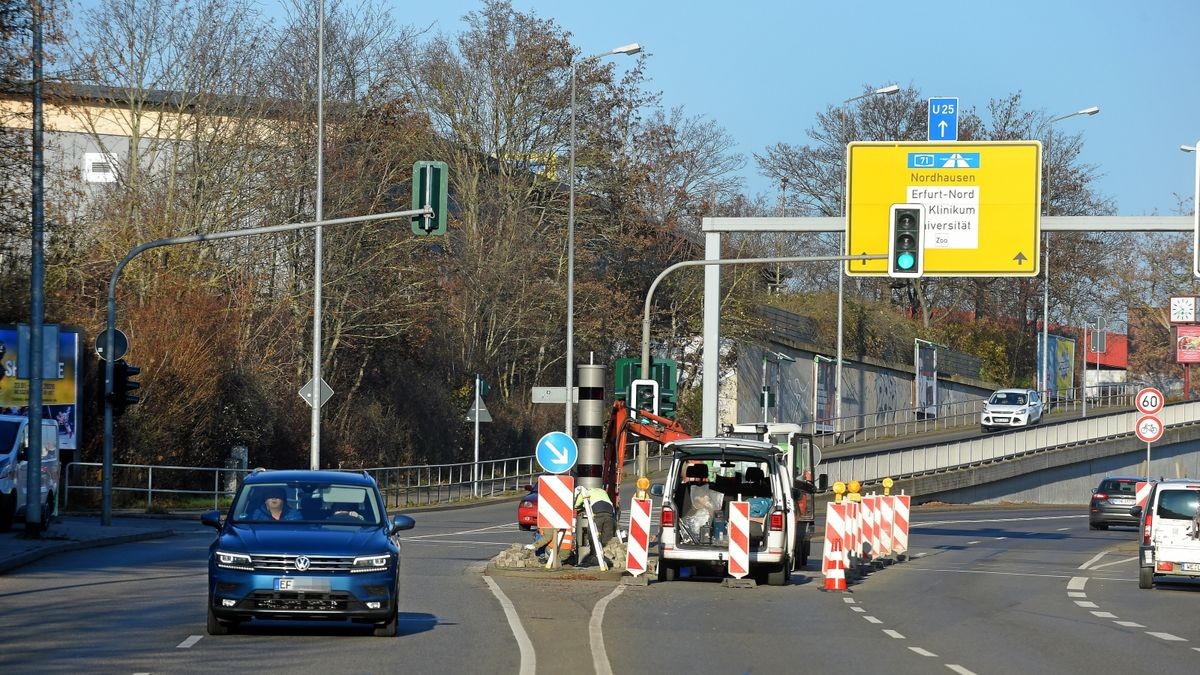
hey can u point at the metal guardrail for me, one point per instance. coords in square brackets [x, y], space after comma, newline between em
[872, 466]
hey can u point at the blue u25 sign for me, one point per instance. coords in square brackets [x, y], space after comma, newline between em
[943, 119]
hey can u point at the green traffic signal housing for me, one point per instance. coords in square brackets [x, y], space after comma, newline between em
[906, 241]
[430, 186]
[644, 395]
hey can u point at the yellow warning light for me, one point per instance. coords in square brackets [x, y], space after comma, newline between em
[887, 486]
[838, 488]
[854, 486]
[643, 484]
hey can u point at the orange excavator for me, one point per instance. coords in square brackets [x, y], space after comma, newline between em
[625, 428]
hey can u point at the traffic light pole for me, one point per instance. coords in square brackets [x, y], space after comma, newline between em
[642, 460]
[110, 346]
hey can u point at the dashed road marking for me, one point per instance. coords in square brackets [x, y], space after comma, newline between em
[871, 619]
[1086, 604]
[188, 643]
[959, 669]
[1093, 559]
[1166, 636]
[891, 633]
[923, 652]
[1104, 615]
[1129, 624]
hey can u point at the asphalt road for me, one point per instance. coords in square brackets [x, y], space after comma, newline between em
[997, 590]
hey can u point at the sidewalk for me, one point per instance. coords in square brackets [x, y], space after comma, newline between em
[72, 533]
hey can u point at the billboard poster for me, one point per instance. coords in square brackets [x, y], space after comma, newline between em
[60, 396]
[926, 360]
[1187, 344]
[1061, 382]
[824, 404]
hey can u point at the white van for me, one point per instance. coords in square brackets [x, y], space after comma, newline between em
[1170, 545]
[705, 475]
[14, 475]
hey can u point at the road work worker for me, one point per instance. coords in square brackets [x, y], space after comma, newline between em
[604, 516]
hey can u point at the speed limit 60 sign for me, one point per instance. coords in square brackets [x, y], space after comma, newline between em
[1149, 401]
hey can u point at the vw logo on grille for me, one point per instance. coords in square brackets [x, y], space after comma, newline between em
[302, 563]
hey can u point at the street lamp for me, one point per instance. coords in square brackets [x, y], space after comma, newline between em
[629, 49]
[837, 377]
[1045, 388]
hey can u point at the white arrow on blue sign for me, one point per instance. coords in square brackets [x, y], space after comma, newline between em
[943, 119]
[557, 452]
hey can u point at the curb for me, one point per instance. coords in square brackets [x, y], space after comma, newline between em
[20, 560]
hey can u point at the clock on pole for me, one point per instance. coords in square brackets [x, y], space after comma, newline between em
[1183, 309]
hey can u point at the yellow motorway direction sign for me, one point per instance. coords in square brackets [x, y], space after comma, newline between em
[982, 204]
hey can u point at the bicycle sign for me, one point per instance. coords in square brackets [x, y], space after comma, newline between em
[1148, 428]
[1149, 401]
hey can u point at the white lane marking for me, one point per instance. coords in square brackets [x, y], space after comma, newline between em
[188, 643]
[596, 634]
[1166, 636]
[972, 542]
[959, 669]
[1086, 604]
[1116, 562]
[914, 523]
[1077, 583]
[923, 652]
[1076, 594]
[469, 542]
[871, 619]
[528, 656]
[490, 528]
[1062, 529]
[1196, 649]
[1001, 538]
[1093, 559]
[1104, 615]
[891, 633]
[848, 601]
[860, 610]
[1129, 624]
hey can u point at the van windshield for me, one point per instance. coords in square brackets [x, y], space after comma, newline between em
[1179, 504]
[8, 434]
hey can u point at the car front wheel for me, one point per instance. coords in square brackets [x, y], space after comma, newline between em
[388, 628]
[217, 626]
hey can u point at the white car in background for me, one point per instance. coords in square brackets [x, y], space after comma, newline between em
[1007, 408]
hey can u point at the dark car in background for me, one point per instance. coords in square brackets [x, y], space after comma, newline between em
[1111, 501]
[305, 545]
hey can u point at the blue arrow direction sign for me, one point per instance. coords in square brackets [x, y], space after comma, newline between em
[943, 119]
[557, 452]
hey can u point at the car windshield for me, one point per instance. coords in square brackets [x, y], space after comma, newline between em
[1007, 398]
[311, 502]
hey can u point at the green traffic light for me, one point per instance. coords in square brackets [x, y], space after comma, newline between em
[905, 261]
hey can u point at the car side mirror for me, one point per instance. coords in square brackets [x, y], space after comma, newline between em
[1135, 511]
[656, 490]
[401, 523]
[1094, 490]
[211, 519]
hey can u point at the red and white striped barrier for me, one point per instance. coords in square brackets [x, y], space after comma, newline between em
[556, 502]
[900, 507]
[739, 539]
[1143, 493]
[870, 537]
[833, 561]
[639, 536]
[886, 524]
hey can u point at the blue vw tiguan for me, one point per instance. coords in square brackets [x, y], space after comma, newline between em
[305, 545]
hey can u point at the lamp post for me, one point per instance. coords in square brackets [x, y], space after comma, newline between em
[837, 377]
[1045, 384]
[629, 49]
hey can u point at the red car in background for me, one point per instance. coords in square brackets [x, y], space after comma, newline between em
[527, 510]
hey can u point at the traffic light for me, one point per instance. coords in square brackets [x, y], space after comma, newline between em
[122, 385]
[643, 395]
[667, 403]
[430, 181]
[906, 241]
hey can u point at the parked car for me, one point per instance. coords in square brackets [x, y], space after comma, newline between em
[1011, 408]
[1111, 501]
[305, 545]
[527, 509]
[1170, 545]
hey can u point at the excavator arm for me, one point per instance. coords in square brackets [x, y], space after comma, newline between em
[626, 427]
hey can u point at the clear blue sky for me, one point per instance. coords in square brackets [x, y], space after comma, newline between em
[762, 69]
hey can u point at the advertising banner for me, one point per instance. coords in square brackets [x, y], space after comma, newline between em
[926, 360]
[1187, 344]
[60, 396]
[1061, 382]
[824, 407]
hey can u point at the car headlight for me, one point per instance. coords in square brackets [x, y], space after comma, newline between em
[234, 561]
[371, 563]
[1022, 411]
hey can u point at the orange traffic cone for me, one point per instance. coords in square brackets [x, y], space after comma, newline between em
[835, 577]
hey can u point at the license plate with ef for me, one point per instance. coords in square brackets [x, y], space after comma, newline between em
[1191, 567]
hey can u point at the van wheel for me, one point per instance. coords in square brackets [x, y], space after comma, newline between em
[8, 510]
[779, 575]
[47, 511]
[667, 571]
[1145, 577]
